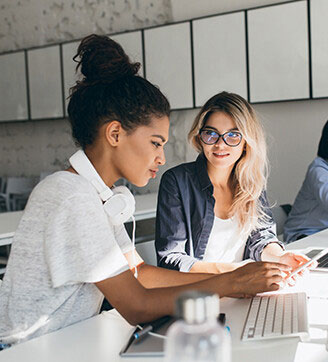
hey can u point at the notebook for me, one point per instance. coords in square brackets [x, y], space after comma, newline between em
[151, 346]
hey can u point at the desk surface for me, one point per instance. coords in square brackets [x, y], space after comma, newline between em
[145, 209]
[8, 223]
[101, 338]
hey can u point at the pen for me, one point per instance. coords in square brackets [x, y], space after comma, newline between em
[151, 327]
[140, 334]
[303, 266]
[222, 318]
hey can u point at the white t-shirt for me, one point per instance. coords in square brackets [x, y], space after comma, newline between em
[225, 243]
[64, 244]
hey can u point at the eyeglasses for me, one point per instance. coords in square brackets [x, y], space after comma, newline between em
[211, 137]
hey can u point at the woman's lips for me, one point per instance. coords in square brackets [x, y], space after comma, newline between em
[221, 155]
[153, 173]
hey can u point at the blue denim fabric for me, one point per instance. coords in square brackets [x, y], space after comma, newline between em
[309, 213]
[185, 216]
[4, 346]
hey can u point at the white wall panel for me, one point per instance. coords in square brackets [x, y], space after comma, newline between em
[319, 47]
[45, 82]
[219, 56]
[69, 69]
[278, 52]
[13, 99]
[132, 45]
[168, 62]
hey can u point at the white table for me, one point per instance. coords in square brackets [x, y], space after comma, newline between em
[145, 209]
[145, 206]
[8, 224]
[101, 338]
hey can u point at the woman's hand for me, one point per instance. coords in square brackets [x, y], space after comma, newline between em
[274, 252]
[295, 260]
[258, 277]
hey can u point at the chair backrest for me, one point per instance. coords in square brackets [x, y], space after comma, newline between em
[2, 184]
[19, 185]
[147, 251]
[280, 214]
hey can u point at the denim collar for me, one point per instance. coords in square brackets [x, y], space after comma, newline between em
[201, 168]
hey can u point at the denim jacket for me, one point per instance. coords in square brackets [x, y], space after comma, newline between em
[185, 216]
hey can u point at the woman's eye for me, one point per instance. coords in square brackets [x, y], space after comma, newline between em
[210, 133]
[156, 144]
[233, 134]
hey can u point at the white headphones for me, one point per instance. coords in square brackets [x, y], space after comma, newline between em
[119, 203]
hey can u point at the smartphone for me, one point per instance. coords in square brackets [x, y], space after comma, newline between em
[319, 255]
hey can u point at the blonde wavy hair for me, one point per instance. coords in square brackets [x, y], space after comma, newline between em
[249, 175]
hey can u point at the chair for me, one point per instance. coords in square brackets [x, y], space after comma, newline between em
[17, 191]
[147, 251]
[280, 214]
[2, 183]
[3, 204]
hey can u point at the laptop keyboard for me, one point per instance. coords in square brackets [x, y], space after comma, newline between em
[322, 262]
[275, 316]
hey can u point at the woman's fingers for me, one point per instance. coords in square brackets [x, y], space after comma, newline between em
[301, 258]
[278, 266]
[273, 287]
[276, 278]
[291, 281]
[260, 277]
[313, 265]
[269, 276]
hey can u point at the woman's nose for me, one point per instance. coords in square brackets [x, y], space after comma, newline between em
[161, 158]
[219, 142]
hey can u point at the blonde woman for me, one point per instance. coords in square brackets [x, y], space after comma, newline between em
[213, 213]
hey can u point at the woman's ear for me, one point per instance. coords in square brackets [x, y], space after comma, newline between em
[113, 133]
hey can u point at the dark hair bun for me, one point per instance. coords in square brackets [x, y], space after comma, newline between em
[103, 60]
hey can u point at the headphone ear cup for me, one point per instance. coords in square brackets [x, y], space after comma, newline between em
[119, 203]
[121, 206]
[123, 190]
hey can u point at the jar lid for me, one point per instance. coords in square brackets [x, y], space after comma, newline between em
[197, 307]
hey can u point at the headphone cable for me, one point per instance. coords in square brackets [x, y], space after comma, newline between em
[134, 246]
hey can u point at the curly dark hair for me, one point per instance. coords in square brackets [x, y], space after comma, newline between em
[110, 90]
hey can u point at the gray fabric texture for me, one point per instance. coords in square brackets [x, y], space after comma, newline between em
[64, 244]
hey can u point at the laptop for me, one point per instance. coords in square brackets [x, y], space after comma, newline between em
[322, 262]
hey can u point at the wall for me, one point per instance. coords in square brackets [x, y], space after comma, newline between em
[28, 148]
[27, 23]
[293, 128]
[189, 9]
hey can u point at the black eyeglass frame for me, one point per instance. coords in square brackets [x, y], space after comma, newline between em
[220, 135]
